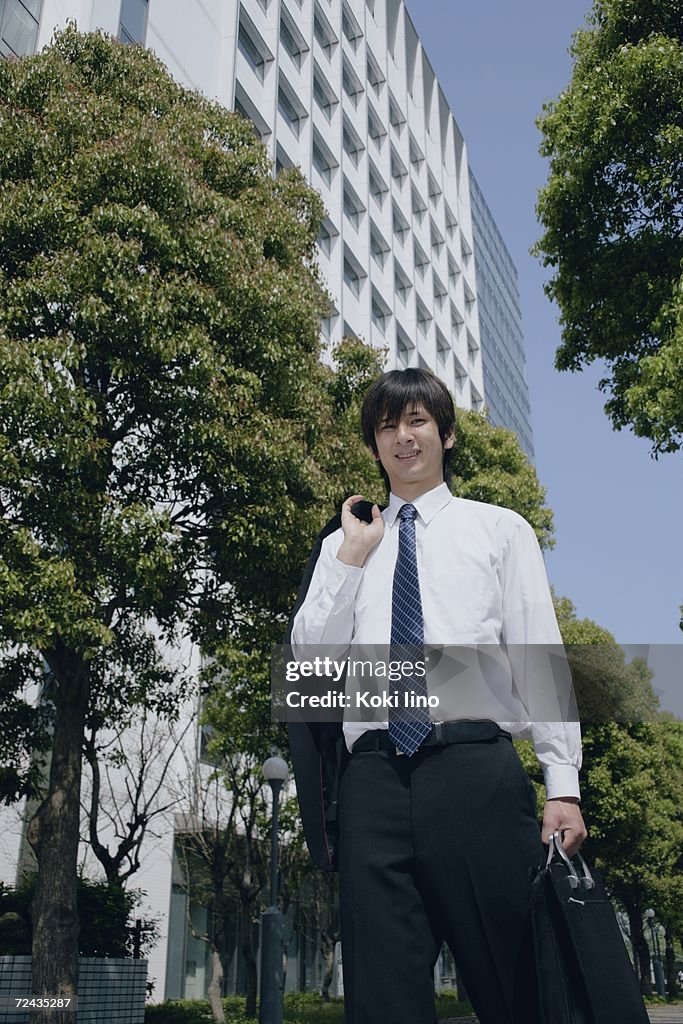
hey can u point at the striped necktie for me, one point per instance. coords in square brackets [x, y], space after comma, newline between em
[407, 726]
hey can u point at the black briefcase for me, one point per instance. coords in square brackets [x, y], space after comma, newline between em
[585, 975]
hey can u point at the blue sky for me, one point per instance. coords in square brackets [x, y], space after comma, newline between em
[617, 511]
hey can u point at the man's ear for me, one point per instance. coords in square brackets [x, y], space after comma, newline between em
[450, 440]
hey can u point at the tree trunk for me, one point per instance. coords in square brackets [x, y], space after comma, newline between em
[641, 952]
[215, 989]
[670, 963]
[249, 954]
[328, 959]
[53, 833]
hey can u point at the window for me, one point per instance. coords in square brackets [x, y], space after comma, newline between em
[465, 249]
[245, 107]
[323, 32]
[472, 345]
[399, 171]
[378, 189]
[350, 28]
[327, 236]
[440, 290]
[322, 159]
[323, 93]
[404, 348]
[443, 349]
[351, 83]
[133, 23]
[282, 160]
[290, 106]
[451, 222]
[469, 298]
[418, 205]
[252, 46]
[328, 322]
[436, 237]
[19, 27]
[396, 116]
[424, 317]
[477, 400]
[380, 311]
[374, 72]
[434, 189]
[453, 271]
[457, 321]
[402, 283]
[378, 247]
[351, 141]
[416, 155]
[376, 129]
[353, 207]
[399, 223]
[421, 259]
[460, 374]
[353, 272]
[292, 40]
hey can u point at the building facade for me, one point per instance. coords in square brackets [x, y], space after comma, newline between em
[345, 90]
[500, 326]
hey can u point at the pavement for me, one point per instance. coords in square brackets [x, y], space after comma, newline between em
[658, 1015]
[666, 1014]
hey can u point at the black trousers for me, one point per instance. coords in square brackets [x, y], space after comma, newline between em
[434, 848]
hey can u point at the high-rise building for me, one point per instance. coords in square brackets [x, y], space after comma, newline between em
[500, 325]
[345, 90]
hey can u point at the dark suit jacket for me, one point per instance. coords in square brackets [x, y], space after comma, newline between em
[318, 748]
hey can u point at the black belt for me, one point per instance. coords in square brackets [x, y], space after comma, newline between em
[441, 734]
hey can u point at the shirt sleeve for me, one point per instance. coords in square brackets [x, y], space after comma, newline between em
[540, 671]
[327, 613]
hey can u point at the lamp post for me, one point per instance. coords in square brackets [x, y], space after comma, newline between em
[656, 959]
[272, 921]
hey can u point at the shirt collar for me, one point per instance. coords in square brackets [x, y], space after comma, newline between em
[427, 505]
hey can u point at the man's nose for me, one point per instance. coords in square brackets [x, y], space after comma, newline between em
[404, 433]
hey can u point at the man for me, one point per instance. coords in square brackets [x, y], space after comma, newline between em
[437, 825]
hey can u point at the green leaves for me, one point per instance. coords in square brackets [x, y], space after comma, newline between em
[489, 465]
[612, 207]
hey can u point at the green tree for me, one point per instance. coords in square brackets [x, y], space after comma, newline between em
[632, 793]
[489, 465]
[611, 212]
[159, 312]
[607, 687]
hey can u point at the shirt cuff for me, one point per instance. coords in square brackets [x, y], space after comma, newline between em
[344, 579]
[561, 780]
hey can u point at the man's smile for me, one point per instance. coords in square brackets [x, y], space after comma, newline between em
[407, 455]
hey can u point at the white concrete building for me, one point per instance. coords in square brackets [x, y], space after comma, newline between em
[344, 89]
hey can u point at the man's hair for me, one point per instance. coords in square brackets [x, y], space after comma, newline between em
[393, 392]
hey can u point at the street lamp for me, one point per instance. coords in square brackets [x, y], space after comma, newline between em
[272, 921]
[656, 959]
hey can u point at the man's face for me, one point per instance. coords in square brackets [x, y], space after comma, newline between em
[411, 452]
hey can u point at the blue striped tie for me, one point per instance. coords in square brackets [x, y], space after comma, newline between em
[407, 638]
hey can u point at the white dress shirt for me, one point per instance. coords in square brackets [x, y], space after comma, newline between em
[482, 582]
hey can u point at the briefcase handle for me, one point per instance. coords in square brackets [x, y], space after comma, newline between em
[555, 844]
